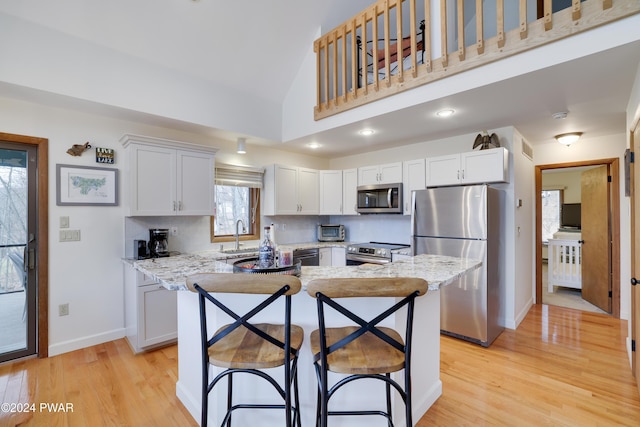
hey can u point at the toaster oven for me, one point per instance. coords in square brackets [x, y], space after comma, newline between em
[331, 233]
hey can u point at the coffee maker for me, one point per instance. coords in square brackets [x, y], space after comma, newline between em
[158, 246]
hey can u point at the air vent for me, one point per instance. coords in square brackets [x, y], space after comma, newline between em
[527, 150]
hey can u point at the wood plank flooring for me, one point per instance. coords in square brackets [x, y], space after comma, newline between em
[562, 367]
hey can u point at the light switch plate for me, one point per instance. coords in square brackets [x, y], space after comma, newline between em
[64, 222]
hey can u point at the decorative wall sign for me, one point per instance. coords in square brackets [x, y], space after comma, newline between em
[86, 186]
[105, 155]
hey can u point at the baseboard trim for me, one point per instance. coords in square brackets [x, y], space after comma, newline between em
[79, 343]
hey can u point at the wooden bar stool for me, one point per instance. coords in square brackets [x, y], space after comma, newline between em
[245, 347]
[363, 350]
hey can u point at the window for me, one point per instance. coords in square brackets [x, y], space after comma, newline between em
[551, 203]
[237, 199]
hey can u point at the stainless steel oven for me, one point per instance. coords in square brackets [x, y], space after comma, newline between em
[372, 252]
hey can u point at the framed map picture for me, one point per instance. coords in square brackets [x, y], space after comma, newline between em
[86, 186]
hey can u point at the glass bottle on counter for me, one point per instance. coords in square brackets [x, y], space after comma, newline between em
[267, 255]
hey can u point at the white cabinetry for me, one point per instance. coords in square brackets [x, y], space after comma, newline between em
[151, 313]
[380, 174]
[290, 190]
[338, 257]
[330, 192]
[168, 177]
[349, 191]
[475, 167]
[325, 257]
[414, 177]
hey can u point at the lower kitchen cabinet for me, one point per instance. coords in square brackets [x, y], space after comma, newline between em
[151, 313]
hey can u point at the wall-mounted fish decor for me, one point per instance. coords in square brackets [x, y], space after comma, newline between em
[78, 149]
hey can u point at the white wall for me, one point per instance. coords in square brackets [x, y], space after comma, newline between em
[570, 180]
[87, 274]
[54, 62]
[594, 149]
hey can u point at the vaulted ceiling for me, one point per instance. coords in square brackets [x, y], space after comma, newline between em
[256, 47]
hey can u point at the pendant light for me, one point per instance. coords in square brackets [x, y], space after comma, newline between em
[241, 146]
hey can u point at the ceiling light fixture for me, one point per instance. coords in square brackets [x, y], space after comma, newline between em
[314, 145]
[568, 138]
[447, 112]
[241, 146]
[367, 132]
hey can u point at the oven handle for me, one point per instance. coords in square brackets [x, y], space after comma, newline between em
[368, 259]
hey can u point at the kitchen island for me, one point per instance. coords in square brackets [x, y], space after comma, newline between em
[427, 387]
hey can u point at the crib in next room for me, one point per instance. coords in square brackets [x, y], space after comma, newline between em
[565, 268]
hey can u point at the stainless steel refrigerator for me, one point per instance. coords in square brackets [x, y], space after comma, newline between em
[465, 222]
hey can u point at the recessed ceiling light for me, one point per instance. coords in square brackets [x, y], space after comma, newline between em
[367, 132]
[313, 145]
[445, 113]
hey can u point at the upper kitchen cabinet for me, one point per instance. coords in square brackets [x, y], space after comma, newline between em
[167, 178]
[474, 167]
[331, 192]
[349, 191]
[380, 174]
[414, 177]
[291, 190]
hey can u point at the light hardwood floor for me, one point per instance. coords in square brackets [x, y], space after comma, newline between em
[562, 367]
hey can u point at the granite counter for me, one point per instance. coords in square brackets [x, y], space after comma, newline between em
[427, 387]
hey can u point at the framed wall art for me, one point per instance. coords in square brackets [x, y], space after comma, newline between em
[86, 186]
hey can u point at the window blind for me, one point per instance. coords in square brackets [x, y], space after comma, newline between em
[242, 176]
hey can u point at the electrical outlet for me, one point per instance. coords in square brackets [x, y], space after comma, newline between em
[63, 309]
[174, 231]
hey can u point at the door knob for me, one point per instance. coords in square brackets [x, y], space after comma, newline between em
[634, 281]
[581, 242]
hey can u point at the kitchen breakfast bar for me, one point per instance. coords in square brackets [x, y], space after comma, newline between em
[439, 271]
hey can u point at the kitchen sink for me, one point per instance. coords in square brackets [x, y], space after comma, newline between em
[241, 251]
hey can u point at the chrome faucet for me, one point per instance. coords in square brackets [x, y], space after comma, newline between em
[244, 230]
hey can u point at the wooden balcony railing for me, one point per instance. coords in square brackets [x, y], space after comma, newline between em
[396, 45]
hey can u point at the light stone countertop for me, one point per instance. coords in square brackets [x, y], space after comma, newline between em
[435, 269]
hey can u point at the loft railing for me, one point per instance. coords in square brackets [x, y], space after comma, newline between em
[396, 45]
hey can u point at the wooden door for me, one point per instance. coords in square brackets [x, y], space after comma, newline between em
[596, 237]
[635, 253]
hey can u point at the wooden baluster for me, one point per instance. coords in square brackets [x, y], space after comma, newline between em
[414, 45]
[354, 60]
[343, 65]
[426, 36]
[479, 27]
[316, 49]
[325, 74]
[363, 63]
[443, 33]
[523, 19]
[461, 47]
[548, 15]
[374, 50]
[334, 67]
[399, 45]
[576, 10]
[387, 56]
[500, 22]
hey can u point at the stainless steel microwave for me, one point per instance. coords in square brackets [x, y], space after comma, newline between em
[331, 233]
[380, 199]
